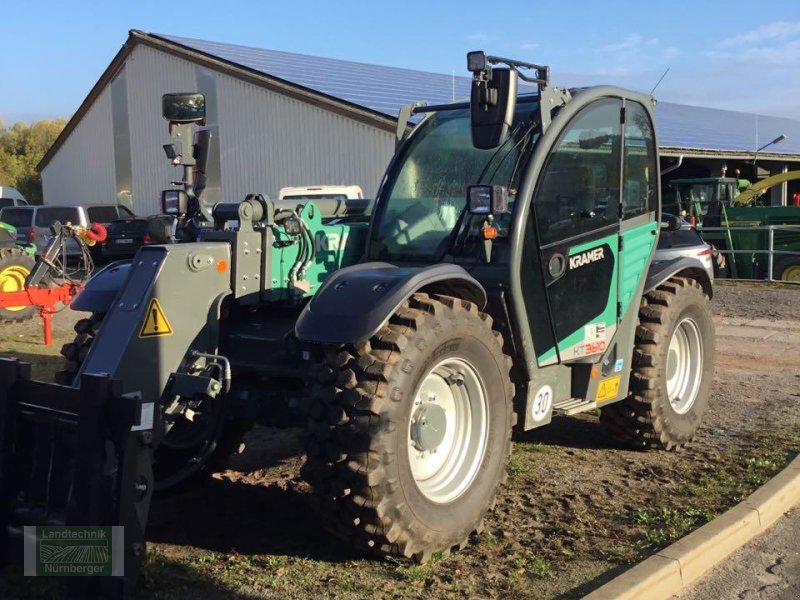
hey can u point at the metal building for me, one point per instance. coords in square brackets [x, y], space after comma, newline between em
[281, 119]
[266, 132]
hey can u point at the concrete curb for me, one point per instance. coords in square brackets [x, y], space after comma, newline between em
[676, 567]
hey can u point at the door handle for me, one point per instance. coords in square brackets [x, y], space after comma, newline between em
[556, 266]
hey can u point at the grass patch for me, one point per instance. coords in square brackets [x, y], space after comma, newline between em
[533, 565]
[664, 525]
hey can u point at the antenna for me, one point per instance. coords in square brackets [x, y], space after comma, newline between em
[659, 81]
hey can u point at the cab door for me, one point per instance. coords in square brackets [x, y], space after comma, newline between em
[577, 217]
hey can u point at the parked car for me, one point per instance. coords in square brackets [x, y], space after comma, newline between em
[126, 236]
[10, 196]
[680, 239]
[33, 222]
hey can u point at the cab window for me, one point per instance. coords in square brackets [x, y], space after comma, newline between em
[639, 171]
[579, 189]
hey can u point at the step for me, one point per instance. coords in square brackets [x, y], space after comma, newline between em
[573, 406]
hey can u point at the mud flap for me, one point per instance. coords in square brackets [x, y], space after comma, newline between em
[74, 456]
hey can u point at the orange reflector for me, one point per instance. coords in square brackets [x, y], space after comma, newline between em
[222, 266]
[595, 372]
[489, 233]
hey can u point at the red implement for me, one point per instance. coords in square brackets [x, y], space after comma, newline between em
[45, 298]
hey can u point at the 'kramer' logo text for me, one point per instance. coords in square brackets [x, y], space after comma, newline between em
[584, 258]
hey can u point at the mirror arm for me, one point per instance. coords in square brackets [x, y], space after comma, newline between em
[406, 111]
[550, 98]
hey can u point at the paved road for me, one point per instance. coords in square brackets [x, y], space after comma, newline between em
[768, 568]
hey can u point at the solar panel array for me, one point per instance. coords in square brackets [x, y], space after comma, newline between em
[386, 89]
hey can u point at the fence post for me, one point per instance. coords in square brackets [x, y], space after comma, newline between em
[770, 256]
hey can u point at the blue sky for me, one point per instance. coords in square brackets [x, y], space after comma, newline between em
[736, 55]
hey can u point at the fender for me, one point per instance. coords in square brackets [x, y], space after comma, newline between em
[660, 271]
[99, 292]
[354, 302]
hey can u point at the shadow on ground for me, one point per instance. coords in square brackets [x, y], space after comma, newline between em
[569, 432]
[245, 518]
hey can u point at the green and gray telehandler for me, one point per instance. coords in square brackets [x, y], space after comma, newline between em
[503, 276]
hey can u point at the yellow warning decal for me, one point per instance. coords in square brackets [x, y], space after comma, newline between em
[155, 321]
[608, 389]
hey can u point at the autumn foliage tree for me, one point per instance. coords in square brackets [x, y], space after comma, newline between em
[21, 148]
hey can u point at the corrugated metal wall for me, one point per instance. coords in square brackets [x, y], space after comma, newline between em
[266, 140]
[150, 74]
[269, 141]
[82, 171]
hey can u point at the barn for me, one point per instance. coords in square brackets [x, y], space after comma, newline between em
[282, 119]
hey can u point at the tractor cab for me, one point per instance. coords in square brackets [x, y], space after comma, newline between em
[702, 200]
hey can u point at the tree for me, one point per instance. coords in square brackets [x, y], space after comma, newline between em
[21, 148]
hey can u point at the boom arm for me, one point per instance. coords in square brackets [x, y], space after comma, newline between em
[749, 195]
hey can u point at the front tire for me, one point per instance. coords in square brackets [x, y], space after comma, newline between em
[672, 371]
[408, 441]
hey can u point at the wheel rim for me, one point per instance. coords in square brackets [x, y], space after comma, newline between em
[12, 279]
[791, 273]
[684, 366]
[448, 430]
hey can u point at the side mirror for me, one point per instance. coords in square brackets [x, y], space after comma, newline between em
[670, 222]
[183, 108]
[492, 101]
[174, 202]
[487, 199]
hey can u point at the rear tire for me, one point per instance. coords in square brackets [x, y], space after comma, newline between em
[409, 436]
[722, 270]
[75, 352]
[672, 371]
[15, 266]
[788, 269]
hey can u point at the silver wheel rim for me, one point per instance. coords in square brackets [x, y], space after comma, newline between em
[684, 366]
[448, 430]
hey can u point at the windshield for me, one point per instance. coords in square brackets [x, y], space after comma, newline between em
[423, 202]
[18, 217]
[316, 197]
[63, 214]
[698, 194]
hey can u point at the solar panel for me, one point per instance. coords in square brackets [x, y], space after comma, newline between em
[386, 89]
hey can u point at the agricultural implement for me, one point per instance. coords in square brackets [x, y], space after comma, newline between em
[29, 284]
[503, 277]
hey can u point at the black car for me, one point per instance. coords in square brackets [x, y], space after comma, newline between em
[126, 236]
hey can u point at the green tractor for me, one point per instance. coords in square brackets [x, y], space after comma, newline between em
[503, 276]
[730, 214]
[16, 263]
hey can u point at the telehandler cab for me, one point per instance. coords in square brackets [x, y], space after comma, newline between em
[504, 276]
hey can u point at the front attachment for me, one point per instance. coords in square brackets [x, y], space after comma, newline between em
[75, 456]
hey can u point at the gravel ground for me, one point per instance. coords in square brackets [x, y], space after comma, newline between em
[576, 510]
[768, 568]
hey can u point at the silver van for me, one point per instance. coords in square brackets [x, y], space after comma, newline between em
[33, 222]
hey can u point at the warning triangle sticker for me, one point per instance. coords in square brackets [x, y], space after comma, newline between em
[155, 321]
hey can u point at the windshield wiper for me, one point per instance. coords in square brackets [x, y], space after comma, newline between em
[448, 244]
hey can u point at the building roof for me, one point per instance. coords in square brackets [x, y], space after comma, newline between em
[374, 94]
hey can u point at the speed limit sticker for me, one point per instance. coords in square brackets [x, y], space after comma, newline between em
[542, 403]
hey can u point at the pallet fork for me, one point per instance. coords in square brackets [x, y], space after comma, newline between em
[74, 456]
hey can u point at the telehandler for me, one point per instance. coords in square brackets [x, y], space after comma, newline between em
[503, 276]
